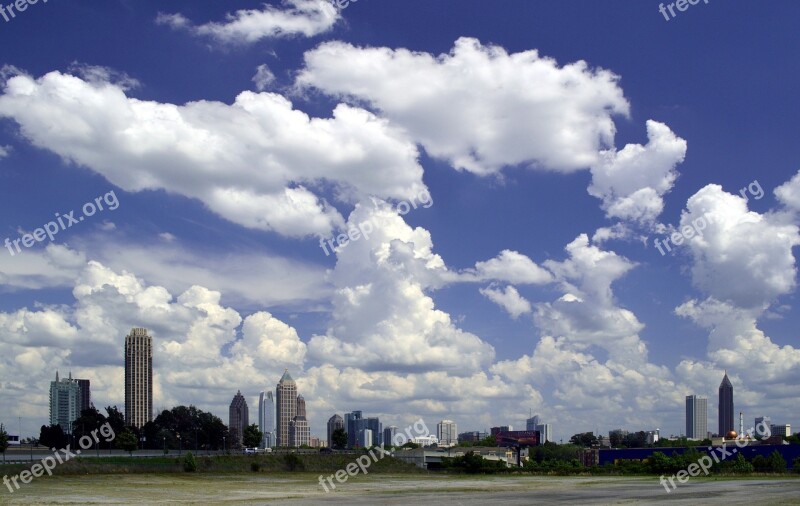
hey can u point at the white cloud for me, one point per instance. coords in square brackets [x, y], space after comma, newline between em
[739, 255]
[263, 77]
[631, 182]
[294, 18]
[4, 151]
[382, 318]
[509, 266]
[255, 162]
[509, 299]
[789, 193]
[479, 107]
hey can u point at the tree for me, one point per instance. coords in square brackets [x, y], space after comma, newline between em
[339, 439]
[127, 441]
[3, 441]
[116, 419]
[584, 439]
[776, 463]
[252, 436]
[52, 436]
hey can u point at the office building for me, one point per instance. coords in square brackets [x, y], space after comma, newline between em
[138, 378]
[544, 429]
[390, 436]
[696, 417]
[726, 423]
[350, 420]
[335, 422]
[503, 428]
[782, 430]
[286, 407]
[85, 388]
[364, 438]
[301, 406]
[238, 418]
[447, 432]
[472, 437]
[65, 402]
[762, 426]
[299, 432]
[266, 418]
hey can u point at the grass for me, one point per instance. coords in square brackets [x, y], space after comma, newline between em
[218, 464]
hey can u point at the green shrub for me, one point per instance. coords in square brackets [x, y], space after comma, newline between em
[293, 462]
[255, 467]
[189, 463]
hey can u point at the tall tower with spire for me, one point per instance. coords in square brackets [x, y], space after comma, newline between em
[726, 423]
[238, 417]
[285, 407]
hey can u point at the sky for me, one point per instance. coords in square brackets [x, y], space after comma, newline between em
[461, 210]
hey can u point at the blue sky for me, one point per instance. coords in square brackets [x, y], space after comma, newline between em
[556, 141]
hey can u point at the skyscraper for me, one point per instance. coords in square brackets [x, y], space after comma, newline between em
[85, 389]
[138, 378]
[266, 418]
[350, 420]
[389, 435]
[696, 417]
[726, 422]
[544, 429]
[447, 432]
[286, 407]
[334, 422]
[301, 406]
[65, 402]
[238, 416]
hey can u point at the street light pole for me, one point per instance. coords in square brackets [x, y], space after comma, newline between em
[224, 450]
[180, 448]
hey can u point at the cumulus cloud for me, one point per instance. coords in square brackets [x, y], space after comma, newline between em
[632, 181]
[509, 299]
[590, 354]
[255, 162]
[742, 262]
[293, 18]
[509, 266]
[789, 193]
[739, 256]
[479, 107]
[382, 318]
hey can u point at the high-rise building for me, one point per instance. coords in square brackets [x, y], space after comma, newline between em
[389, 436]
[350, 420]
[138, 378]
[334, 422]
[447, 432]
[762, 423]
[299, 432]
[65, 402]
[301, 406]
[85, 393]
[364, 439]
[696, 417]
[285, 408]
[726, 423]
[238, 417]
[544, 429]
[266, 419]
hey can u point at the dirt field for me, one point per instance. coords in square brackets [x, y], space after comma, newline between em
[304, 489]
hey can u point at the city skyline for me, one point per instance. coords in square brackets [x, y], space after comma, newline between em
[536, 211]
